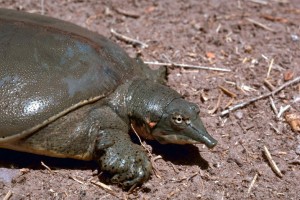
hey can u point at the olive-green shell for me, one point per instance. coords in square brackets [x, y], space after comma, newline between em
[48, 65]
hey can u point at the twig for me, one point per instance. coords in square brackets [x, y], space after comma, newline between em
[128, 39]
[242, 104]
[294, 162]
[263, 2]
[188, 66]
[227, 92]
[291, 82]
[272, 162]
[216, 106]
[8, 195]
[229, 103]
[260, 24]
[282, 110]
[44, 165]
[273, 106]
[175, 169]
[187, 178]
[269, 85]
[274, 128]
[157, 157]
[137, 135]
[270, 67]
[152, 158]
[252, 183]
[192, 176]
[102, 185]
[127, 13]
[75, 179]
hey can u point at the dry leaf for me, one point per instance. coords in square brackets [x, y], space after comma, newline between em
[288, 75]
[210, 55]
[294, 120]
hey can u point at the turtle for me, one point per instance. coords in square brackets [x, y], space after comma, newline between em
[68, 92]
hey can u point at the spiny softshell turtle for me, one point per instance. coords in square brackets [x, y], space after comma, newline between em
[68, 92]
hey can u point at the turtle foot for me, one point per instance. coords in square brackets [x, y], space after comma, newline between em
[128, 164]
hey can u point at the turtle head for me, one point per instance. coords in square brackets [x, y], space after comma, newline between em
[160, 113]
[181, 124]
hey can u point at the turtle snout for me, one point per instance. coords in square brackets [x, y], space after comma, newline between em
[197, 132]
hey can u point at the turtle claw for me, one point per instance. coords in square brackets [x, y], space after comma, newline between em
[129, 164]
[140, 176]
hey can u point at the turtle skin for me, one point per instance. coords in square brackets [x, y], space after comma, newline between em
[71, 93]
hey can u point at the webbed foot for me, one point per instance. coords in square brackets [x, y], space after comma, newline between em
[127, 162]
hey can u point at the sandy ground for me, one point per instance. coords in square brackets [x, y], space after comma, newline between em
[256, 40]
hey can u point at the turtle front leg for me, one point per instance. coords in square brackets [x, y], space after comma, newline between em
[126, 161]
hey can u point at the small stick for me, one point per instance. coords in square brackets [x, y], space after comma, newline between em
[102, 185]
[75, 179]
[227, 92]
[252, 183]
[272, 162]
[275, 129]
[152, 159]
[8, 195]
[187, 178]
[216, 106]
[187, 66]
[295, 162]
[229, 103]
[291, 82]
[137, 135]
[282, 110]
[157, 157]
[260, 24]
[44, 165]
[128, 39]
[242, 104]
[269, 85]
[127, 13]
[263, 2]
[175, 169]
[192, 176]
[270, 67]
[155, 170]
[273, 106]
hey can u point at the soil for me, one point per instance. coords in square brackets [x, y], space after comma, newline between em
[255, 39]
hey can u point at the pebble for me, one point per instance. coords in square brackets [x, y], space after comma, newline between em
[294, 37]
[239, 114]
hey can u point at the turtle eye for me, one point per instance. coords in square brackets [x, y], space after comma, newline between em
[178, 119]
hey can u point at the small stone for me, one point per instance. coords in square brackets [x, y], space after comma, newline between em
[248, 49]
[294, 37]
[239, 114]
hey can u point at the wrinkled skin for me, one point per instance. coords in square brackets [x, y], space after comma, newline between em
[70, 93]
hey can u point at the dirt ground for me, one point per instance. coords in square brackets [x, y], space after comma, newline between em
[257, 40]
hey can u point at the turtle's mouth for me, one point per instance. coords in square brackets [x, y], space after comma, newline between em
[194, 133]
[165, 138]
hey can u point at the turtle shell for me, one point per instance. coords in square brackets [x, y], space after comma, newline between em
[49, 67]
